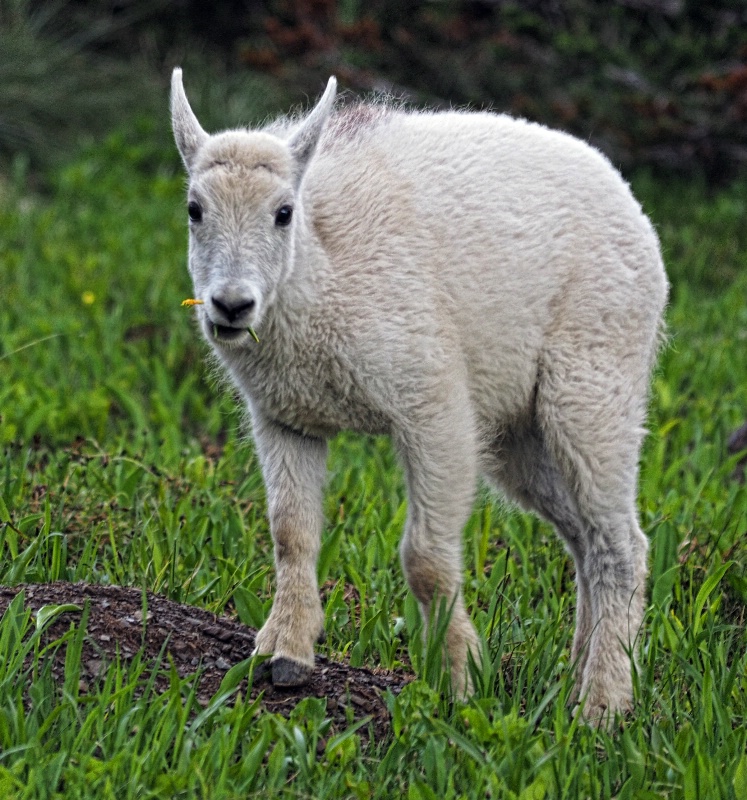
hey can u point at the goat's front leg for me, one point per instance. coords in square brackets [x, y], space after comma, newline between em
[294, 468]
[439, 455]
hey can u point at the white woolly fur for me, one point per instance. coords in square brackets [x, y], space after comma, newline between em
[486, 291]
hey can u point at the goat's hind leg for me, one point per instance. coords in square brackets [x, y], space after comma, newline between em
[593, 430]
[522, 467]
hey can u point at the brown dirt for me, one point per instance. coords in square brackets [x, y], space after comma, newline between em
[199, 642]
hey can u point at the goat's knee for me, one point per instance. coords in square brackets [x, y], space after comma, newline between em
[426, 574]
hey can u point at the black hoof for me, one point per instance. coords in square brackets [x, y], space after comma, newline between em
[263, 671]
[286, 672]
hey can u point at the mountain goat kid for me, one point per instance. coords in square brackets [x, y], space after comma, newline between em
[482, 289]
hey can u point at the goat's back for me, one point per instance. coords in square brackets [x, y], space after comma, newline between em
[493, 233]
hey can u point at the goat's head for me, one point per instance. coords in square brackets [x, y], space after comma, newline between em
[244, 209]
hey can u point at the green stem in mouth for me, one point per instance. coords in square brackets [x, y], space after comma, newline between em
[215, 331]
[253, 334]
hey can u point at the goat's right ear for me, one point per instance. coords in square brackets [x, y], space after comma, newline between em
[188, 132]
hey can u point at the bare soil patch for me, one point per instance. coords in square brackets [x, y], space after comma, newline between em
[198, 642]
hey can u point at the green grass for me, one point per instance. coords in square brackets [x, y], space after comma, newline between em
[110, 474]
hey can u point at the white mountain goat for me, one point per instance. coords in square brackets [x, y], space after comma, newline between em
[482, 289]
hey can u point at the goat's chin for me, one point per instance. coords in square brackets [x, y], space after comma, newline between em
[230, 344]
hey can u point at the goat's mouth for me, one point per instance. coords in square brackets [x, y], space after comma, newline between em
[225, 334]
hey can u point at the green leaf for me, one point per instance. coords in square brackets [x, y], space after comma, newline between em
[236, 674]
[662, 591]
[276, 764]
[706, 590]
[252, 761]
[49, 612]
[461, 742]
[740, 777]
[695, 780]
[18, 570]
[418, 790]
[10, 785]
[249, 607]
[336, 744]
[328, 554]
[4, 513]
[536, 790]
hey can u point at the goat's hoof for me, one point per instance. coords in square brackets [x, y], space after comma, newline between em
[262, 671]
[286, 672]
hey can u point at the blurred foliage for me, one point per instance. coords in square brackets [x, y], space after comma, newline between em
[57, 80]
[661, 83]
[655, 82]
[71, 72]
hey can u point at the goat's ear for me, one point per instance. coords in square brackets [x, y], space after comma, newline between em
[188, 133]
[304, 140]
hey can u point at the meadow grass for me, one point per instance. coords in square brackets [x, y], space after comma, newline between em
[126, 462]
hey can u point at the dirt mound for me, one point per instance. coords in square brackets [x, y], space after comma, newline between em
[198, 642]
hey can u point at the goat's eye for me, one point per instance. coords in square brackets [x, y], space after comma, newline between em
[194, 209]
[283, 216]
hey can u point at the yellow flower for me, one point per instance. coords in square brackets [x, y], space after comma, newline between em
[190, 302]
[88, 298]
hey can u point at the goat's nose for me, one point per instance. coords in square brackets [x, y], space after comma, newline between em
[234, 308]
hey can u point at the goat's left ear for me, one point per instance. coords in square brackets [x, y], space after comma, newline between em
[304, 139]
